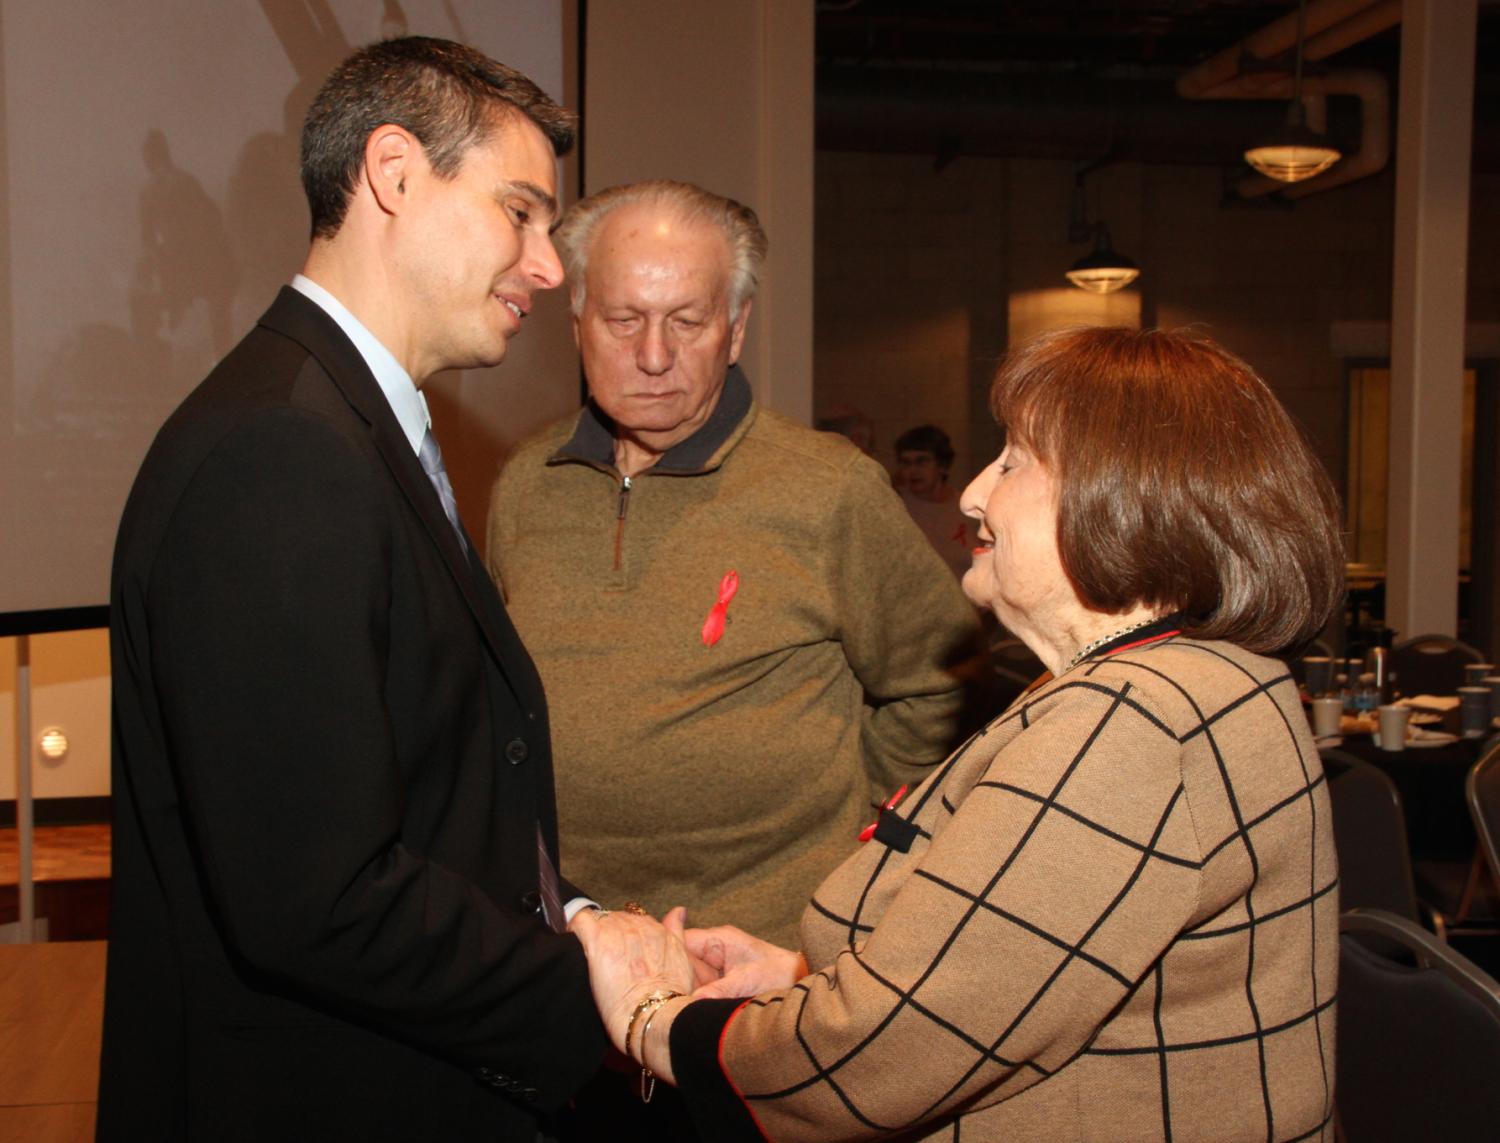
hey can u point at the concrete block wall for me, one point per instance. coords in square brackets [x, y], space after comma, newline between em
[915, 269]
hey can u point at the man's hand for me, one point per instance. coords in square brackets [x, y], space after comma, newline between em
[745, 965]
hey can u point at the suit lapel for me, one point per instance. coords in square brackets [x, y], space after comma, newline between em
[297, 317]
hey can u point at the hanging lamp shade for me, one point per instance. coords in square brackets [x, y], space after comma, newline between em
[1102, 271]
[1294, 153]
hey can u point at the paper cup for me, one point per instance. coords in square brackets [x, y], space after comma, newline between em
[1326, 715]
[1493, 682]
[1317, 672]
[1393, 720]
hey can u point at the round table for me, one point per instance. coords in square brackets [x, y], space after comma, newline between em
[1430, 780]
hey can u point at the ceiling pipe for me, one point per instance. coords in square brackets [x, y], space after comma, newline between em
[1276, 38]
[1361, 26]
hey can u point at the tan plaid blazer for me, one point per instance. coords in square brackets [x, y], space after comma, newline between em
[1112, 915]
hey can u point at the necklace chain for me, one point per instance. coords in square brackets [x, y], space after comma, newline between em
[1110, 638]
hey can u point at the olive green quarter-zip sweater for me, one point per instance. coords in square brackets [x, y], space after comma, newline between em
[725, 761]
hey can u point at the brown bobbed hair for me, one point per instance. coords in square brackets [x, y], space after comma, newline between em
[1182, 483]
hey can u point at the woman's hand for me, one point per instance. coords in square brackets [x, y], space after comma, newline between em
[630, 957]
[746, 965]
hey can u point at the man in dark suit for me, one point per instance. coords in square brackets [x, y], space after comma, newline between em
[336, 911]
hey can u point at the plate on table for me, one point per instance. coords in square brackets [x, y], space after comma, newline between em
[1422, 738]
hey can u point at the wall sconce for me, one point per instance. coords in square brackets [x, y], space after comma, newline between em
[1295, 152]
[53, 743]
[1102, 270]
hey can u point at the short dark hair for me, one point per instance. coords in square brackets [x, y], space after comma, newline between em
[1182, 483]
[449, 96]
[927, 438]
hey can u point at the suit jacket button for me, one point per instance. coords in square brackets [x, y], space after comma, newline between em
[516, 751]
[531, 902]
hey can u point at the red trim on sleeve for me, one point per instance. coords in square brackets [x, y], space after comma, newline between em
[729, 1079]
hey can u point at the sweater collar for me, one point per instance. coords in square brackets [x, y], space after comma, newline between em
[593, 438]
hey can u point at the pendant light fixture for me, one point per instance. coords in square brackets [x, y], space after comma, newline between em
[1295, 152]
[1101, 271]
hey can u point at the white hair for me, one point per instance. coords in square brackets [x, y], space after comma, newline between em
[741, 229]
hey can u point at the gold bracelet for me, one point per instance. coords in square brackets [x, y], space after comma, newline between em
[649, 1004]
[648, 1007]
[648, 1077]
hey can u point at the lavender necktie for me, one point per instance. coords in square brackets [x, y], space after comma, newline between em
[552, 906]
[432, 464]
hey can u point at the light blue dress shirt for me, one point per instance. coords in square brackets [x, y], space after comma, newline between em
[404, 398]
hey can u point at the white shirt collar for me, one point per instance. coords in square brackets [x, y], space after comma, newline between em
[404, 398]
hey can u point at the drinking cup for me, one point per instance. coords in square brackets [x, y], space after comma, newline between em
[1493, 682]
[1474, 711]
[1475, 673]
[1326, 713]
[1393, 720]
[1317, 670]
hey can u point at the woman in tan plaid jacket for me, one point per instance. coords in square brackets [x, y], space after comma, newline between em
[1112, 914]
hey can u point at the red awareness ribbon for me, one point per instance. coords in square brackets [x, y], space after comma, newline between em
[713, 626]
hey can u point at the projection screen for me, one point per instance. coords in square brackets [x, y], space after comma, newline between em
[148, 171]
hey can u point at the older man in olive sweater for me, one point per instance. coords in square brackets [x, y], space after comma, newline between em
[744, 639]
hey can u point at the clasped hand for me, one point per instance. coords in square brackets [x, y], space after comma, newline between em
[631, 956]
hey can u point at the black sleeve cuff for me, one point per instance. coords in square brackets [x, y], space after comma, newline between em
[718, 1111]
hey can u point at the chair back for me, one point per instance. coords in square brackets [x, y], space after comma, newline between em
[1369, 833]
[1483, 790]
[1432, 664]
[1418, 1037]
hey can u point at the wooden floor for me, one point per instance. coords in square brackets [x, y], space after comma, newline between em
[51, 1009]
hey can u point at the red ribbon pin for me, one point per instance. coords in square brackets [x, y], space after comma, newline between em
[713, 626]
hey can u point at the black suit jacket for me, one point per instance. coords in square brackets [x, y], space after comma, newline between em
[330, 761]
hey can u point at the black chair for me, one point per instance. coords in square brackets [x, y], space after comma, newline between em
[1463, 898]
[1432, 664]
[1483, 790]
[1369, 832]
[1418, 1038]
